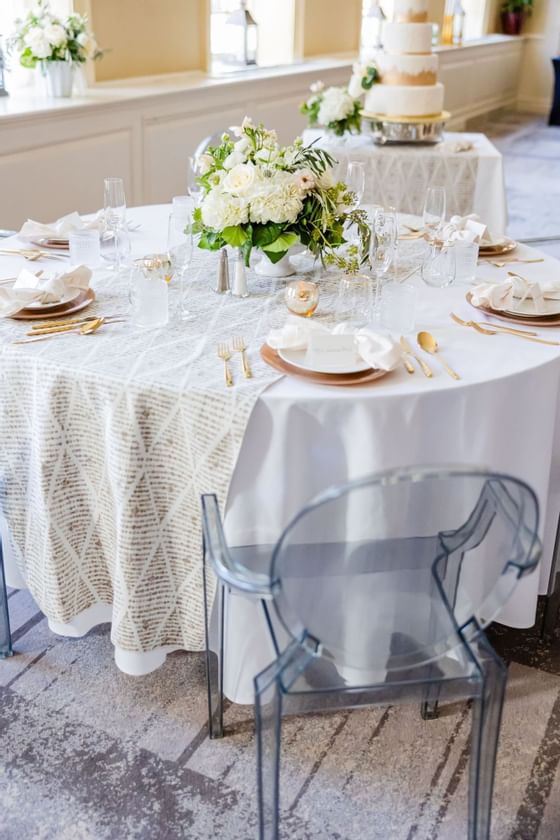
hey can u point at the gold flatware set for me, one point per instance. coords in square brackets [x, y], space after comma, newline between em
[490, 328]
[503, 263]
[33, 254]
[79, 326]
[225, 352]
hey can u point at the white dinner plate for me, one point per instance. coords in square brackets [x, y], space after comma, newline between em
[37, 306]
[527, 308]
[341, 361]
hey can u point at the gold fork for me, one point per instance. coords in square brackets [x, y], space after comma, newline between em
[503, 263]
[240, 347]
[503, 331]
[85, 329]
[225, 355]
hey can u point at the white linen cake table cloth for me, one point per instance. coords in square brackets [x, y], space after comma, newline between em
[399, 175]
[108, 439]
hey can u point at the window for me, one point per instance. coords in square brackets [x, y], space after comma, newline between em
[269, 43]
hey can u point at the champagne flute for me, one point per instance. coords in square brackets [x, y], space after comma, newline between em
[193, 187]
[115, 217]
[383, 245]
[434, 209]
[356, 180]
[180, 252]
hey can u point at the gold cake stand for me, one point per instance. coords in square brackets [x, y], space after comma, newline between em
[387, 130]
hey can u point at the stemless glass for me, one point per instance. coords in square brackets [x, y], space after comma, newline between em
[354, 303]
[180, 252]
[356, 180]
[434, 209]
[438, 270]
[383, 245]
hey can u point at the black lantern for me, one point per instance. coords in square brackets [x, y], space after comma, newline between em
[3, 91]
[246, 38]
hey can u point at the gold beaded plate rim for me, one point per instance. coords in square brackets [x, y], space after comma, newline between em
[443, 116]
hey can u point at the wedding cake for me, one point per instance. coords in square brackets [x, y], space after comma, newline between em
[408, 85]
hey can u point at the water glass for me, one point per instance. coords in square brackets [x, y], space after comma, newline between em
[434, 209]
[149, 297]
[398, 308]
[438, 269]
[182, 205]
[85, 247]
[180, 252]
[466, 261]
[355, 300]
[356, 180]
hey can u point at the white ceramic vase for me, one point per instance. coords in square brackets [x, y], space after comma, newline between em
[60, 78]
[283, 268]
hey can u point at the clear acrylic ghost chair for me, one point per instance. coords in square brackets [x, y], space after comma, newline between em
[383, 586]
[5, 635]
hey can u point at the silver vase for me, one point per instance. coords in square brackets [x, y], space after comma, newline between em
[60, 78]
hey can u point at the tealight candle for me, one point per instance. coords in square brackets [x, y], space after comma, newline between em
[302, 297]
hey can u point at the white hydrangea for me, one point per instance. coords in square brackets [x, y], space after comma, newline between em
[336, 105]
[220, 210]
[278, 200]
[55, 34]
[38, 43]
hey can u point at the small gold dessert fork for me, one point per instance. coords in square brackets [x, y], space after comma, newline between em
[225, 355]
[240, 347]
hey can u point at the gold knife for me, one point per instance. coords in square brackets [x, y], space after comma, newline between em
[426, 370]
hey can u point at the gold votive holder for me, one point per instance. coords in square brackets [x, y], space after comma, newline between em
[302, 297]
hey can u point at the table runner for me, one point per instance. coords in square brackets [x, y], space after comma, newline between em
[108, 442]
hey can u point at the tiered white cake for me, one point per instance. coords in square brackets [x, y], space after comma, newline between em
[408, 71]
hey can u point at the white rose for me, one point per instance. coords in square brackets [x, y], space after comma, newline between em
[355, 88]
[220, 210]
[242, 146]
[233, 159]
[337, 104]
[55, 34]
[205, 163]
[267, 155]
[240, 179]
[38, 44]
[326, 180]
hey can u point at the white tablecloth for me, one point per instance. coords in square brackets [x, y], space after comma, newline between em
[502, 414]
[399, 176]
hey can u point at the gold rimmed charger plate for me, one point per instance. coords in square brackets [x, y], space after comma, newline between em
[272, 358]
[528, 320]
[427, 118]
[57, 311]
[497, 250]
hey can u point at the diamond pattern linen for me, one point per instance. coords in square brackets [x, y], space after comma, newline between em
[108, 442]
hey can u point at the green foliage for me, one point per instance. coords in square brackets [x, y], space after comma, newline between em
[517, 6]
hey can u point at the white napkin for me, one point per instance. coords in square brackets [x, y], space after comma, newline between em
[466, 229]
[512, 292]
[459, 145]
[379, 351]
[62, 227]
[29, 288]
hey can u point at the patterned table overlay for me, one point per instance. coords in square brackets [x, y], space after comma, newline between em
[108, 442]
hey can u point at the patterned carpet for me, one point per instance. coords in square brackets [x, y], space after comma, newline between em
[91, 754]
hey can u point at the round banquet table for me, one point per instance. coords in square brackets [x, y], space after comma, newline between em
[301, 437]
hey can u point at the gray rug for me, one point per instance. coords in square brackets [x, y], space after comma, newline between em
[91, 754]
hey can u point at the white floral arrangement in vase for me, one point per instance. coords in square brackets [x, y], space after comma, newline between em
[364, 77]
[54, 44]
[333, 108]
[259, 195]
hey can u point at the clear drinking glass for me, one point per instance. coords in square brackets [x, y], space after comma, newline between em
[355, 300]
[434, 209]
[149, 297]
[383, 246]
[122, 248]
[180, 252]
[356, 180]
[466, 261]
[438, 270]
[398, 308]
[85, 247]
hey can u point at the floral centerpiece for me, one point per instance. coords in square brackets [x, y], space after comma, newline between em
[258, 194]
[332, 108]
[55, 44]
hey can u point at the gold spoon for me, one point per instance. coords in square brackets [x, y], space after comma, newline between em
[85, 329]
[428, 343]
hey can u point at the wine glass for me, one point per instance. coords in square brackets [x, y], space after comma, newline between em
[180, 252]
[434, 209]
[383, 245]
[193, 187]
[356, 180]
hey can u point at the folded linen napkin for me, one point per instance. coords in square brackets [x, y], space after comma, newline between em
[467, 229]
[29, 288]
[378, 350]
[512, 292]
[62, 227]
[458, 145]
